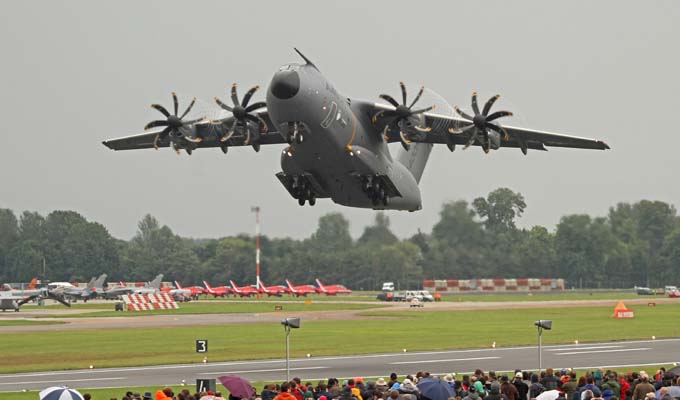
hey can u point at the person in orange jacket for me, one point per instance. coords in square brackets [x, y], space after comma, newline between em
[285, 393]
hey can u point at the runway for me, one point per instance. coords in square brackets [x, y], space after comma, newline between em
[590, 355]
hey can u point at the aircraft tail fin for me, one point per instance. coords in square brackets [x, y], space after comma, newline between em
[290, 285]
[234, 286]
[178, 285]
[207, 286]
[415, 158]
[90, 284]
[32, 284]
[320, 285]
[156, 282]
[99, 282]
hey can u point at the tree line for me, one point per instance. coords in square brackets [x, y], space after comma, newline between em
[634, 244]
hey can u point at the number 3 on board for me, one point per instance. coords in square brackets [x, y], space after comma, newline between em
[201, 346]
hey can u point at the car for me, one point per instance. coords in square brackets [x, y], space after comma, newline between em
[644, 291]
[426, 296]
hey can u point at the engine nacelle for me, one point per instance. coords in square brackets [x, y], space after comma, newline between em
[494, 140]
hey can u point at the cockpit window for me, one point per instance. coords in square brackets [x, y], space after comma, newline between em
[332, 112]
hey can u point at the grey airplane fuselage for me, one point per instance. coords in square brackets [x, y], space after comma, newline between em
[340, 144]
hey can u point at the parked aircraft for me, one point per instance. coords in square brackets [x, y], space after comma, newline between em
[270, 290]
[88, 292]
[219, 291]
[302, 290]
[194, 291]
[337, 146]
[152, 287]
[11, 301]
[331, 290]
[243, 291]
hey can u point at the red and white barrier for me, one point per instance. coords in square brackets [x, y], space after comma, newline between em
[493, 285]
[143, 302]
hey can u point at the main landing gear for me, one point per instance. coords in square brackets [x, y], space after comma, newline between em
[375, 190]
[303, 192]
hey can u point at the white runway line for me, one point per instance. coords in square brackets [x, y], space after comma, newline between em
[602, 351]
[444, 360]
[585, 348]
[261, 370]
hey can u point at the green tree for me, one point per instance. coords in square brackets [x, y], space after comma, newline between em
[332, 233]
[9, 235]
[500, 208]
[379, 233]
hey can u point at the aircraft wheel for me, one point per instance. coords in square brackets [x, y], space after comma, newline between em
[381, 193]
[385, 201]
[301, 201]
[299, 138]
[312, 201]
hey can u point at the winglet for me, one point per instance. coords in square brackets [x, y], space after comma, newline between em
[305, 58]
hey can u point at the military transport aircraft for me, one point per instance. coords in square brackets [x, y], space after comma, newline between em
[337, 146]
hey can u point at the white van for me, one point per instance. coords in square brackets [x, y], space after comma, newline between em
[388, 287]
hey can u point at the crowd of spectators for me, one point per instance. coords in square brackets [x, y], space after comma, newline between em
[520, 385]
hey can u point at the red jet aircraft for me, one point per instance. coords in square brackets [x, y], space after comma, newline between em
[331, 290]
[243, 291]
[220, 291]
[302, 290]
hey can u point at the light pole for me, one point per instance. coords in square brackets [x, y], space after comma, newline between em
[540, 325]
[289, 323]
[256, 210]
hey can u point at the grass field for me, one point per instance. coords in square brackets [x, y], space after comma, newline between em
[108, 393]
[207, 307]
[567, 295]
[387, 331]
[19, 322]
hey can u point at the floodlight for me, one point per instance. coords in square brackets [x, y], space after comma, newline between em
[543, 324]
[291, 322]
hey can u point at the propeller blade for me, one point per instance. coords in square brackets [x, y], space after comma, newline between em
[404, 141]
[420, 93]
[224, 106]
[234, 97]
[475, 107]
[161, 109]
[489, 103]
[175, 102]
[248, 95]
[403, 92]
[256, 106]
[155, 124]
[423, 110]
[498, 114]
[383, 113]
[265, 126]
[425, 129]
[193, 101]
[463, 130]
[247, 141]
[389, 99]
[230, 133]
[463, 113]
[472, 140]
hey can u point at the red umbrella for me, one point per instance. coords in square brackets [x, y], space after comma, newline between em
[237, 386]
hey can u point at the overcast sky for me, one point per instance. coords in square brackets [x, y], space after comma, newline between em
[75, 73]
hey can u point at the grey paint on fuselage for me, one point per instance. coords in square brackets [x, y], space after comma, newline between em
[340, 142]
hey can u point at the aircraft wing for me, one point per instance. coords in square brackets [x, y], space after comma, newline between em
[444, 130]
[201, 135]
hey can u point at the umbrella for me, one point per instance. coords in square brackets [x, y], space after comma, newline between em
[237, 386]
[435, 389]
[60, 393]
[548, 395]
[674, 391]
[675, 371]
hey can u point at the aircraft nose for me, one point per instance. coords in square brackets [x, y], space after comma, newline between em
[285, 84]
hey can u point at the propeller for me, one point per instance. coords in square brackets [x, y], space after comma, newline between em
[173, 123]
[243, 114]
[402, 114]
[481, 122]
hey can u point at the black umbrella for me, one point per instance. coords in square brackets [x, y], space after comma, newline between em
[435, 389]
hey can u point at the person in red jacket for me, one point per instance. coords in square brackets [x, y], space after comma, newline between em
[285, 393]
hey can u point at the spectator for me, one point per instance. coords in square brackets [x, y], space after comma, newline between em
[285, 393]
[269, 392]
[322, 390]
[550, 381]
[472, 394]
[521, 386]
[508, 389]
[495, 392]
[664, 394]
[536, 388]
[642, 388]
[408, 391]
[610, 382]
[570, 386]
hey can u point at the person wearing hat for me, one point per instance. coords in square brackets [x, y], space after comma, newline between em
[408, 390]
[381, 385]
[521, 386]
